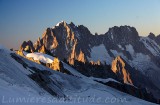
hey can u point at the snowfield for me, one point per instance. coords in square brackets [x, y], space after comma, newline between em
[151, 45]
[40, 56]
[16, 88]
[100, 53]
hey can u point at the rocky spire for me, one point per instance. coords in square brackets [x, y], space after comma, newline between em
[81, 57]
[42, 49]
[27, 46]
[120, 69]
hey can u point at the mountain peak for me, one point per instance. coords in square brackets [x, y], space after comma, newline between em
[125, 28]
[27, 46]
[151, 35]
[122, 34]
[72, 24]
[61, 23]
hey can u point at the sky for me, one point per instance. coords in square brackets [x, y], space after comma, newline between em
[22, 20]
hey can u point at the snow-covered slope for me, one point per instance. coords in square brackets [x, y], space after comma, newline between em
[99, 53]
[14, 82]
[19, 82]
[151, 45]
[40, 56]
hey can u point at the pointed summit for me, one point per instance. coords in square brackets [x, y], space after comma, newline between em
[43, 49]
[47, 32]
[61, 23]
[27, 46]
[72, 25]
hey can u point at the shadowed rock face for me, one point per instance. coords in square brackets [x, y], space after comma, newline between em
[155, 38]
[27, 46]
[71, 42]
[151, 36]
[67, 41]
[158, 39]
[122, 34]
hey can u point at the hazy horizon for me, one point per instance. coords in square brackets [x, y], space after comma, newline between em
[26, 20]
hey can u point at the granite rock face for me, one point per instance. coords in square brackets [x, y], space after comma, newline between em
[76, 43]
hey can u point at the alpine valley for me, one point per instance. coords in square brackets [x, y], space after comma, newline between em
[69, 61]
